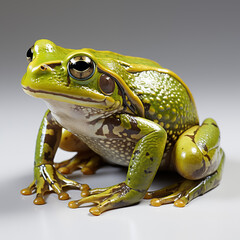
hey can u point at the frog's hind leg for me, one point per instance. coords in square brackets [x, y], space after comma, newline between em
[183, 192]
[198, 157]
[85, 159]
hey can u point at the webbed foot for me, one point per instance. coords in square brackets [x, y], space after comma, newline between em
[47, 179]
[109, 198]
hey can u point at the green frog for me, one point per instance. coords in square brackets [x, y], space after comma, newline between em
[122, 110]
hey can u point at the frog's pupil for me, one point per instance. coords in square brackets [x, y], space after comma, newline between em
[80, 66]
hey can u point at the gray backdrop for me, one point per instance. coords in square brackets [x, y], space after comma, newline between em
[199, 40]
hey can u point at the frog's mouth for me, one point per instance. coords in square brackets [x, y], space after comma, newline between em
[104, 102]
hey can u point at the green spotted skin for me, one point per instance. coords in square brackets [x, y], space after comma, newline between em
[127, 111]
[167, 103]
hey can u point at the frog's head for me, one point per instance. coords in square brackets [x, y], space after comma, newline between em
[84, 77]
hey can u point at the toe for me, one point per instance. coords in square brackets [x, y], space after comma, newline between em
[63, 196]
[181, 202]
[95, 211]
[85, 190]
[156, 202]
[73, 204]
[39, 200]
[26, 191]
[87, 171]
[64, 170]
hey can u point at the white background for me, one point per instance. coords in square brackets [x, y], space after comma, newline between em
[199, 40]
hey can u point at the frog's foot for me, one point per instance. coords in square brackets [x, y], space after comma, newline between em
[48, 179]
[109, 198]
[177, 193]
[183, 192]
[88, 162]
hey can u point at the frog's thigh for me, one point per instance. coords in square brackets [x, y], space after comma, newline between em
[70, 142]
[197, 152]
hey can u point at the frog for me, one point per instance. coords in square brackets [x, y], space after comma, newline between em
[120, 110]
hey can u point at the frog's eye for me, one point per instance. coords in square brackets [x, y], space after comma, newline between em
[29, 54]
[106, 84]
[81, 67]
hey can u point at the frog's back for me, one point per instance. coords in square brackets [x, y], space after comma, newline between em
[167, 101]
[165, 97]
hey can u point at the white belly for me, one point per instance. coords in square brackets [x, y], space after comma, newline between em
[84, 123]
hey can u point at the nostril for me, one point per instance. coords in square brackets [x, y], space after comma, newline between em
[43, 67]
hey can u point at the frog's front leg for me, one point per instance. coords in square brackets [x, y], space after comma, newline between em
[46, 177]
[197, 157]
[144, 163]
